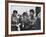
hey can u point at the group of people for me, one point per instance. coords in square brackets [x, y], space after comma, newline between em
[24, 21]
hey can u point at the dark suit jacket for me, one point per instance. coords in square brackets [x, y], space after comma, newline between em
[37, 24]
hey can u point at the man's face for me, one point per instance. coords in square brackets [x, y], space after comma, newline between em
[31, 13]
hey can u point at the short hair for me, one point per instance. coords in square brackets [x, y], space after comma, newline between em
[38, 9]
[32, 11]
[14, 11]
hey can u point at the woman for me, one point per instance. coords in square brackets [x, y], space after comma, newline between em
[31, 19]
[24, 22]
[14, 21]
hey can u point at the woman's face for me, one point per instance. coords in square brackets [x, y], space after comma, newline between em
[24, 16]
[31, 13]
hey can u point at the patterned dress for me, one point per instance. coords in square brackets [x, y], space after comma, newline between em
[14, 23]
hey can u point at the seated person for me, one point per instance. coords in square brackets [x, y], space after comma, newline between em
[24, 22]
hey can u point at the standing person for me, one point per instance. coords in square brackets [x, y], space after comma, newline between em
[37, 22]
[31, 19]
[14, 21]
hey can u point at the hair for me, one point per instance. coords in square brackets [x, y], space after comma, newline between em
[24, 13]
[38, 9]
[32, 11]
[14, 11]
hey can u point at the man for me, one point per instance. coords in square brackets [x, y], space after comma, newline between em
[37, 22]
[14, 21]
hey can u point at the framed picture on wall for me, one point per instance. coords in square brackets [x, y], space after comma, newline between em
[24, 18]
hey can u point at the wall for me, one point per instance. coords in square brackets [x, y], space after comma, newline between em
[2, 19]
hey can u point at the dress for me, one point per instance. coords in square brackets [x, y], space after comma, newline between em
[14, 23]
